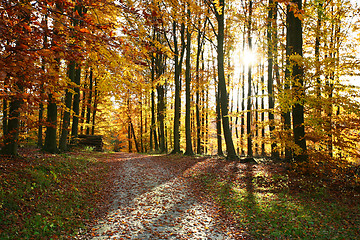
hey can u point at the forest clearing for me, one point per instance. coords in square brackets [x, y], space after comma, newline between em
[247, 109]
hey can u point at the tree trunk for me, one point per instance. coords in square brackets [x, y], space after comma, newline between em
[218, 125]
[5, 114]
[63, 143]
[248, 115]
[197, 97]
[189, 150]
[177, 80]
[83, 105]
[51, 126]
[224, 100]
[161, 117]
[88, 110]
[13, 124]
[263, 110]
[294, 47]
[272, 48]
[96, 100]
[76, 103]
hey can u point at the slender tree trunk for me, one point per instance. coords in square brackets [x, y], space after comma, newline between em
[256, 112]
[135, 140]
[294, 47]
[40, 127]
[189, 149]
[5, 117]
[141, 124]
[88, 110]
[96, 100]
[177, 105]
[76, 103]
[83, 106]
[5, 113]
[248, 115]
[218, 125]
[272, 48]
[63, 142]
[317, 55]
[263, 110]
[224, 100]
[161, 117]
[197, 99]
[242, 129]
[51, 126]
[153, 139]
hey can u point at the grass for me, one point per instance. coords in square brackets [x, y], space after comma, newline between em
[270, 205]
[45, 196]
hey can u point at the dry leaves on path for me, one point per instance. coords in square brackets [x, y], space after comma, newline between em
[153, 199]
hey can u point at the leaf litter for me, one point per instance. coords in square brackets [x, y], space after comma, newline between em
[155, 197]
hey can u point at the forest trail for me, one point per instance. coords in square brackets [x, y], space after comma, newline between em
[155, 198]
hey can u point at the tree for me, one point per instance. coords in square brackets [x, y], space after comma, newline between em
[249, 82]
[189, 149]
[224, 100]
[272, 48]
[295, 73]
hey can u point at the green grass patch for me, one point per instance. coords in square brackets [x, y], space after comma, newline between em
[46, 196]
[267, 207]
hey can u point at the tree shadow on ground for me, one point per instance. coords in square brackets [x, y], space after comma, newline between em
[260, 199]
[154, 200]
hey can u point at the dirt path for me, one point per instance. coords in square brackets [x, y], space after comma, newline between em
[154, 199]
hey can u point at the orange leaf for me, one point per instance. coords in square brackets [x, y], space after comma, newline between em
[84, 30]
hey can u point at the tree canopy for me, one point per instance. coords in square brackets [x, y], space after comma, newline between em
[272, 77]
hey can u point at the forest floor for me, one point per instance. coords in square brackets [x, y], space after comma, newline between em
[89, 195]
[156, 197]
[179, 197]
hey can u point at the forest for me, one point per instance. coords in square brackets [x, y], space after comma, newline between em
[239, 79]
[249, 78]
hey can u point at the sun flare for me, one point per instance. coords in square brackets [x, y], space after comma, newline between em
[249, 57]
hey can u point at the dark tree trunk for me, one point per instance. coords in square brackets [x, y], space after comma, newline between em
[88, 108]
[153, 136]
[76, 103]
[317, 55]
[177, 79]
[161, 117]
[63, 142]
[218, 125]
[248, 115]
[263, 110]
[83, 105]
[51, 126]
[197, 97]
[189, 150]
[141, 124]
[96, 100]
[5, 115]
[242, 129]
[270, 87]
[224, 100]
[135, 140]
[256, 112]
[13, 124]
[40, 127]
[296, 73]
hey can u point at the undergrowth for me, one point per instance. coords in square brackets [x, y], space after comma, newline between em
[45, 196]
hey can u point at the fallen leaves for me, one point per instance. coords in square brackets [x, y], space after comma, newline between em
[158, 202]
